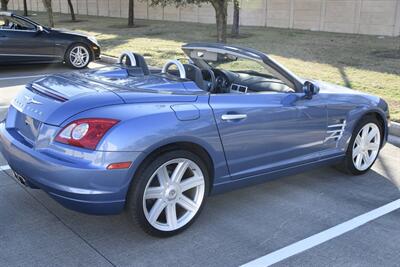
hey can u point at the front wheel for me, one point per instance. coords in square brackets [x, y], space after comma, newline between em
[78, 56]
[167, 195]
[364, 146]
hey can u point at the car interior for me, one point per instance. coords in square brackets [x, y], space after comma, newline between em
[220, 80]
[213, 79]
[11, 23]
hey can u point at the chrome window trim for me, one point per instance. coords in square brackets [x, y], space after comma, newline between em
[13, 30]
[27, 55]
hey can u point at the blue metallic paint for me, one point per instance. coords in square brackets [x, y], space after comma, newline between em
[282, 134]
[256, 145]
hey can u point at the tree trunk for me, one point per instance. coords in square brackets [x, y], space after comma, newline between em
[4, 4]
[71, 9]
[236, 16]
[131, 16]
[49, 9]
[25, 9]
[221, 14]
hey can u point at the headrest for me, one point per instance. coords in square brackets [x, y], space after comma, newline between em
[194, 74]
[134, 60]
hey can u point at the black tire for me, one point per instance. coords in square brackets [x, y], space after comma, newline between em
[134, 206]
[347, 165]
[68, 53]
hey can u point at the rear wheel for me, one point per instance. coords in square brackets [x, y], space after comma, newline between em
[78, 56]
[168, 194]
[364, 146]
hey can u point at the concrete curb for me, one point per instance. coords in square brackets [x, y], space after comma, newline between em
[394, 140]
[108, 59]
[394, 129]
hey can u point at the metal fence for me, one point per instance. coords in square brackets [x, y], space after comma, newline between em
[378, 17]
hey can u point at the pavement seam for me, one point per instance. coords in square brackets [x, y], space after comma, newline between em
[62, 222]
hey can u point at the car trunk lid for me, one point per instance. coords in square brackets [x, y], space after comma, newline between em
[52, 100]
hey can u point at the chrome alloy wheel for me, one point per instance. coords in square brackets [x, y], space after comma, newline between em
[79, 56]
[366, 146]
[173, 194]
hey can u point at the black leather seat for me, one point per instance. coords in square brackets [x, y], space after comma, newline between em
[140, 63]
[194, 74]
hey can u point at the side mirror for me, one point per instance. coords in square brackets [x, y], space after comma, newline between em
[310, 89]
[39, 28]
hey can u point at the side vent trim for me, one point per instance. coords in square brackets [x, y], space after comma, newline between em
[335, 131]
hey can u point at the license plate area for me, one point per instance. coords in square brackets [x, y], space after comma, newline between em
[27, 127]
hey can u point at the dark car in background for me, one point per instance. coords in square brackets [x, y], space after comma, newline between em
[23, 40]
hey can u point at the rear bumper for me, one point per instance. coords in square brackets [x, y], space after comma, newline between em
[77, 183]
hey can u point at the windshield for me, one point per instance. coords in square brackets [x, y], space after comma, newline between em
[242, 65]
[232, 63]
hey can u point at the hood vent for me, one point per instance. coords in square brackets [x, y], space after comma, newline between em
[42, 91]
[335, 131]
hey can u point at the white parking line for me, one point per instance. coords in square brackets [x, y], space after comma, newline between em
[4, 168]
[324, 236]
[21, 77]
[5, 106]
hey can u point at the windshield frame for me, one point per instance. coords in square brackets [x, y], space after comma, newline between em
[273, 67]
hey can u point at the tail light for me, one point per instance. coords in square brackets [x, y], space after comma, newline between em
[85, 133]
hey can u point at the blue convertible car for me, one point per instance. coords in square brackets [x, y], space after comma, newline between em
[156, 143]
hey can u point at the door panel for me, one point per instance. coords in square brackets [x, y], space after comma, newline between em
[4, 41]
[26, 46]
[269, 131]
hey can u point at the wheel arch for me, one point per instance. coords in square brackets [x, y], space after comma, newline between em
[382, 121]
[79, 42]
[195, 148]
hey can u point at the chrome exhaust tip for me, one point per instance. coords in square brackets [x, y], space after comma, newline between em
[21, 179]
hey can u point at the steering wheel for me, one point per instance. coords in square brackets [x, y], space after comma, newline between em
[212, 84]
[178, 64]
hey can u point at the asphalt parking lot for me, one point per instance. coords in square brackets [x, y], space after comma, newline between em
[235, 228]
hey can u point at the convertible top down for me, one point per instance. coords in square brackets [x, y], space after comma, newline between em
[156, 142]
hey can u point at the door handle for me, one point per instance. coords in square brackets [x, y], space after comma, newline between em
[230, 117]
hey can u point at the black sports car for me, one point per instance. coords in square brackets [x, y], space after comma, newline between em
[23, 40]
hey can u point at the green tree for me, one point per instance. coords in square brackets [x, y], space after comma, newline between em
[25, 9]
[131, 15]
[71, 9]
[49, 9]
[221, 12]
[4, 5]
[236, 16]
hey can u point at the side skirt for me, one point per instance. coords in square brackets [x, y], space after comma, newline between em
[253, 180]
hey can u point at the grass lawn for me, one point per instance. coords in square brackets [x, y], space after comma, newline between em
[366, 63]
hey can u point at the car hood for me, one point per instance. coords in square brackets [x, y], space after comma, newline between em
[334, 88]
[54, 99]
[69, 32]
[330, 88]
